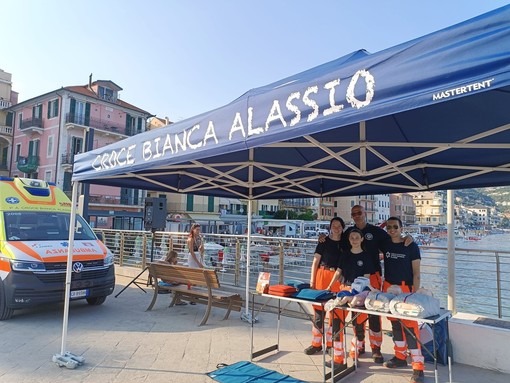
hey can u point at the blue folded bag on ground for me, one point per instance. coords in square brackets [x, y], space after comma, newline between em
[314, 295]
[247, 372]
[441, 336]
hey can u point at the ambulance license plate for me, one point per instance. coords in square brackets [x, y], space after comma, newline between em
[79, 294]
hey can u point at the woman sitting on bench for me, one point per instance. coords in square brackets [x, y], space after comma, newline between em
[171, 258]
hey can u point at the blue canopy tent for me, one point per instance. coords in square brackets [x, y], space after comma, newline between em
[427, 114]
[432, 113]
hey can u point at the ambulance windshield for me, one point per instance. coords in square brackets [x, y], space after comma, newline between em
[44, 226]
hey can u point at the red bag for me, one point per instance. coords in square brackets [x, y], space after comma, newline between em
[282, 290]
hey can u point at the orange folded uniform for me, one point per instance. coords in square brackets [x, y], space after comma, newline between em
[282, 290]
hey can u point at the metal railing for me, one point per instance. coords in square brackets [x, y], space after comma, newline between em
[5, 104]
[4, 129]
[82, 120]
[482, 276]
[32, 122]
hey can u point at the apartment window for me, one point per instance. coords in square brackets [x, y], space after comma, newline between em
[76, 145]
[53, 108]
[18, 151]
[9, 119]
[3, 158]
[106, 94]
[47, 176]
[189, 202]
[80, 112]
[140, 125]
[33, 148]
[49, 150]
[210, 204]
[37, 111]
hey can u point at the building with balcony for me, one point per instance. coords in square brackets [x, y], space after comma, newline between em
[326, 208]
[157, 122]
[478, 216]
[50, 129]
[382, 208]
[7, 98]
[343, 206]
[430, 207]
[402, 206]
[303, 204]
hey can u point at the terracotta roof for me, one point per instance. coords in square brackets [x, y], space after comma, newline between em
[84, 90]
[97, 82]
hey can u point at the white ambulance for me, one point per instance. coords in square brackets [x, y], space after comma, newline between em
[34, 233]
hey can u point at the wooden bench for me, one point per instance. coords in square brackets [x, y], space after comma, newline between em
[204, 288]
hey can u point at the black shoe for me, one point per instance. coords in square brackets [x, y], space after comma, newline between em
[377, 356]
[338, 366]
[395, 363]
[312, 350]
[417, 377]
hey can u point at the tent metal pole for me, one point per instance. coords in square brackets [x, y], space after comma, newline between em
[450, 221]
[65, 358]
[248, 250]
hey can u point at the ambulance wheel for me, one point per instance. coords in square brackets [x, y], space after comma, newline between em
[5, 312]
[96, 301]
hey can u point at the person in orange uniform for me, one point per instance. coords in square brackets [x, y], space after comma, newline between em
[325, 262]
[355, 262]
[402, 268]
[374, 238]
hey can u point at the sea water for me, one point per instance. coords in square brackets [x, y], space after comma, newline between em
[482, 269]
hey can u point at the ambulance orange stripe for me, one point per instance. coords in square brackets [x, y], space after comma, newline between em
[61, 258]
[5, 266]
[21, 193]
[26, 249]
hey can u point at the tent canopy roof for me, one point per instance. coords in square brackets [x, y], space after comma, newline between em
[429, 114]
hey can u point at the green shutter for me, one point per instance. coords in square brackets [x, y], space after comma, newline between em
[67, 182]
[3, 161]
[87, 114]
[48, 112]
[9, 118]
[128, 125]
[189, 202]
[139, 124]
[56, 107]
[30, 147]
[210, 204]
[72, 109]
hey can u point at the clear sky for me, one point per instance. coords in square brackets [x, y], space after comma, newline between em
[181, 58]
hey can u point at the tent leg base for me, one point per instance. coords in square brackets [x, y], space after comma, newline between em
[248, 318]
[68, 360]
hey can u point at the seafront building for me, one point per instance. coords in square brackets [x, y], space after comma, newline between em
[402, 206]
[430, 207]
[7, 98]
[50, 129]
